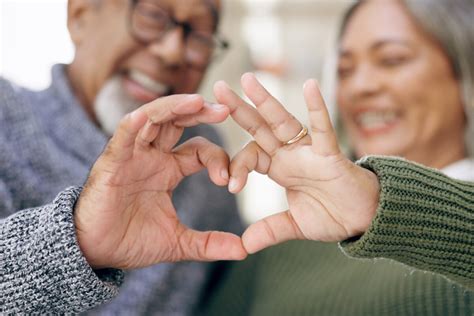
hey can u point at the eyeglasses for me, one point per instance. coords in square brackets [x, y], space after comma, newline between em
[150, 22]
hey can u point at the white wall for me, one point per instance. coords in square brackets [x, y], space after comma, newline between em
[33, 36]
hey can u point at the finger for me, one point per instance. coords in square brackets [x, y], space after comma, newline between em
[282, 123]
[156, 112]
[122, 143]
[147, 135]
[247, 117]
[251, 157]
[270, 231]
[163, 136]
[210, 246]
[199, 153]
[170, 107]
[153, 131]
[168, 136]
[209, 114]
[322, 132]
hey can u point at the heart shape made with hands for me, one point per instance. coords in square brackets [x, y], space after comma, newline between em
[125, 217]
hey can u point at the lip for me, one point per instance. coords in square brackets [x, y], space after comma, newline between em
[138, 92]
[373, 132]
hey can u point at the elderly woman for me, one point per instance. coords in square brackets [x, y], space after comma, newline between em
[405, 88]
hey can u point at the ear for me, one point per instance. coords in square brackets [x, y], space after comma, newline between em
[78, 14]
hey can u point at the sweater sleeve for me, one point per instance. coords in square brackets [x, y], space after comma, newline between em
[424, 219]
[42, 269]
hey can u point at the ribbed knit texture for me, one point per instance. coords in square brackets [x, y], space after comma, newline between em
[42, 269]
[424, 219]
[313, 278]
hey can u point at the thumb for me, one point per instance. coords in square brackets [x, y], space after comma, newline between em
[210, 246]
[270, 231]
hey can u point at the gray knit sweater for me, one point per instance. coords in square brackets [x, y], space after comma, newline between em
[47, 144]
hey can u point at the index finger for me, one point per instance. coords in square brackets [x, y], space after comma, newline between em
[283, 124]
[247, 117]
[170, 107]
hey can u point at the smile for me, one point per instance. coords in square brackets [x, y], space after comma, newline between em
[143, 88]
[377, 121]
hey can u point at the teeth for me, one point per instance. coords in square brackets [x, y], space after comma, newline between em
[147, 82]
[376, 119]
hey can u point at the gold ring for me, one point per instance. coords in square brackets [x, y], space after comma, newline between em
[301, 134]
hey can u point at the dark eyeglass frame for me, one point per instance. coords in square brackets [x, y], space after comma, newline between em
[218, 47]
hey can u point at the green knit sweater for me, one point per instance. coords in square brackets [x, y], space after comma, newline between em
[424, 220]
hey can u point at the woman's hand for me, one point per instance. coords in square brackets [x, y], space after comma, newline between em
[330, 198]
[125, 217]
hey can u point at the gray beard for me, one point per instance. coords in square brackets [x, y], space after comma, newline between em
[112, 104]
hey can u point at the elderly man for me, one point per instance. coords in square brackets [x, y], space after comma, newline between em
[127, 53]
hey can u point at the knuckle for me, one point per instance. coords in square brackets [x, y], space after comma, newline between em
[268, 229]
[251, 146]
[252, 129]
[278, 124]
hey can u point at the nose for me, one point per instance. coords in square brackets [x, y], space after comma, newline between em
[170, 49]
[365, 81]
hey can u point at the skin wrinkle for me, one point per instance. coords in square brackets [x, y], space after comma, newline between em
[263, 164]
[297, 231]
[275, 126]
[269, 230]
[322, 207]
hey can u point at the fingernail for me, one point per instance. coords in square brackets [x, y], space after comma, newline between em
[192, 96]
[184, 106]
[311, 80]
[225, 174]
[233, 184]
[316, 83]
[218, 107]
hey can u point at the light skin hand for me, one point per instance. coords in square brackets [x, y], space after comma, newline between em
[125, 217]
[330, 198]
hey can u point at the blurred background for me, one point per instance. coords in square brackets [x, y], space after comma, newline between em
[284, 42]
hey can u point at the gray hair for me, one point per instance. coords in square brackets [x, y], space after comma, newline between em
[450, 22]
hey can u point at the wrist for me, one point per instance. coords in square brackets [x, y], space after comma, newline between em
[371, 194]
[84, 235]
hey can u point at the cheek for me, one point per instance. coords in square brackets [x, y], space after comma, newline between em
[431, 96]
[343, 107]
[121, 51]
[109, 57]
[341, 99]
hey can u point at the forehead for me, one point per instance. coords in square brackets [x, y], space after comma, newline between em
[379, 20]
[183, 9]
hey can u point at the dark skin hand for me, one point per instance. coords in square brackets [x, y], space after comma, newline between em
[125, 217]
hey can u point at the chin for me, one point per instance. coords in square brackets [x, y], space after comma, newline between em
[112, 104]
[380, 148]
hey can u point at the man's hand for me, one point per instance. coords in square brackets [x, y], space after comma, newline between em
[125, 217]
[330, 198]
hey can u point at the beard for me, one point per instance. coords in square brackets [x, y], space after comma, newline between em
[112, 104]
